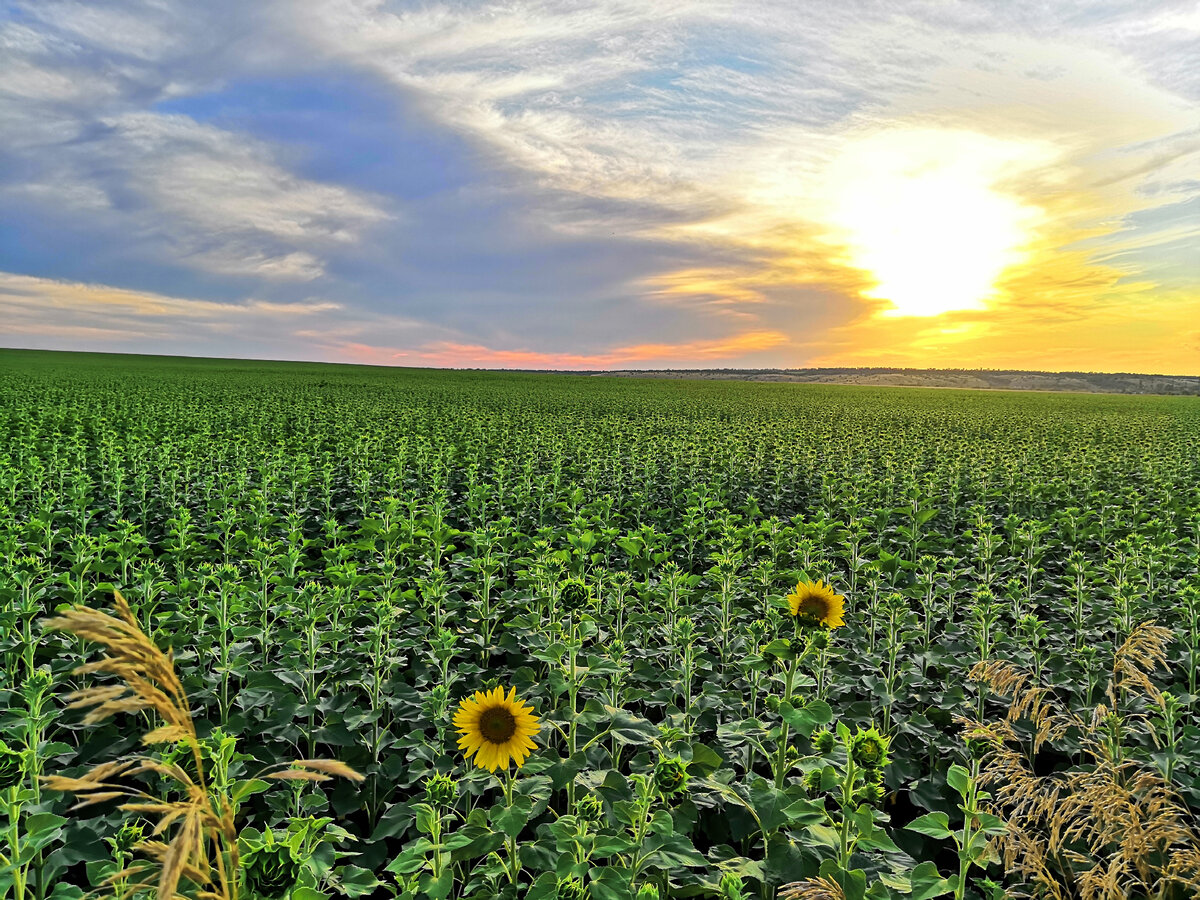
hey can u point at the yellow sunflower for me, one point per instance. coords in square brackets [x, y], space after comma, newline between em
[815, 604]
[495, 728]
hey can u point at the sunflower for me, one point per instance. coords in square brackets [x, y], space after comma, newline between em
[495, 728]
[817, 605]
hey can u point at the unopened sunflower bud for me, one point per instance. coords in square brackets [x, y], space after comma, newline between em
[589, 808]
[670, 775]
[812, 782]
[36, 684]
[127, 837]
[443, 641]
[979, 747]
[574, 594]
[438, 701]
[571, 889]
[271, 871]
[731, 887]
[648, 892]
[441, 790]
[868, 749]
[869, 793]
[823, 741]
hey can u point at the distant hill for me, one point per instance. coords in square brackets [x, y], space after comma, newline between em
[978, 379]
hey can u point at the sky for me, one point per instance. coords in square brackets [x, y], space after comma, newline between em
[620, 184]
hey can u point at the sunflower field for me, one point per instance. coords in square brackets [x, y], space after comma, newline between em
[280, 630]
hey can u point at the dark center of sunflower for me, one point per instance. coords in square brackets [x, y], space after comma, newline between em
[497, 725]
[814, 605]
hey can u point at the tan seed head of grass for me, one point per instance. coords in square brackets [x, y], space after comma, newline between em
[204, 847]
[1108, 828]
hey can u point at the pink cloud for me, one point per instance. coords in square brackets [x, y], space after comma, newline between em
[459, 355]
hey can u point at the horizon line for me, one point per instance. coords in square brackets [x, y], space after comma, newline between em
[868, 368]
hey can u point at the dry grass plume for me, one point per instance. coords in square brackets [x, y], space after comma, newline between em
[817, 888]
[1108, 828]
[195, 837]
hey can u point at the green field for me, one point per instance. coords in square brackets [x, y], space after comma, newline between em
[337, 556]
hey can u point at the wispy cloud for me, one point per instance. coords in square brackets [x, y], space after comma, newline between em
[77, 87]
[739, 346]
[57, 297]
[39, 312]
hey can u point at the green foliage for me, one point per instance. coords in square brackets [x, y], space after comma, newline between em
[337, 555]
[12, 767]
[271, 870]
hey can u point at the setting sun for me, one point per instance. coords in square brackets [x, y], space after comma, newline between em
[922, 213]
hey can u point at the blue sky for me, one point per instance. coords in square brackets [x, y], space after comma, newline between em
[604, 185]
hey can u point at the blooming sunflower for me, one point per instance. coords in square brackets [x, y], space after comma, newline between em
[817, 605]
[495, 728]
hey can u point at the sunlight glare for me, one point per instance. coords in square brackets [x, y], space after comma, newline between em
[920, 212]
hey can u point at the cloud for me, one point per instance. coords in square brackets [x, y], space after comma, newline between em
[211, 200]
[81, 145]
[656, 179]
[43, 312]
[458, 355]
[731, 118]
[108, 316]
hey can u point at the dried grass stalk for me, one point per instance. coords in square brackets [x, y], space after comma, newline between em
[203, 850]
[1108, 829]
[818, 888]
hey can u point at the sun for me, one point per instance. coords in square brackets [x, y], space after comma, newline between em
[924, 214]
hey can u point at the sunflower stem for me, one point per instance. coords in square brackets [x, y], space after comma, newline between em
[572, 727]
[847, 806]
[512, 862]
[781, 750]
[14, 841]
[822, 657]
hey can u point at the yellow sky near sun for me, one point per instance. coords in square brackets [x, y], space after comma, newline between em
[971, 250]
[969, 244]
[954, 248]
[953, 225]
